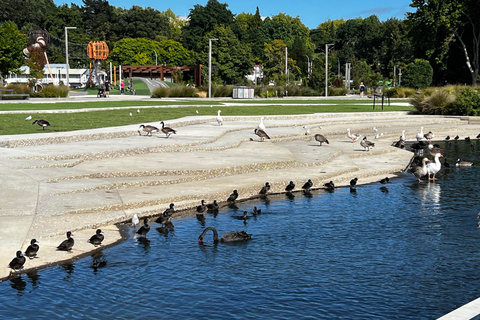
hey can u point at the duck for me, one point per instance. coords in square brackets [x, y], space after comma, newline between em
[169, 211]
[98, 263]
[463, 163]
[256, 211]
[456, 137]
[232, 236]
[420, 135]
[366, 144]
[201, 208]
[385, 180]
[429, 135]
[329, 185]
[433, 168]
[353, 136]
[148, 129]
[261, 125]
[32, 249]
[167, 130]
[447, 138]
[135, 220]
[478, 136]
[433, 150]
[353, 182]
[213, 207]
[42, 123]
[307, 185]
[67, 244]
[233, 196]
[219, 118]
[144, 229]
[467, 139]
[265, 188]
[262, 134]
[290, 186]
[420, 171]
[321, 139]
[97, 238]
[18, 261]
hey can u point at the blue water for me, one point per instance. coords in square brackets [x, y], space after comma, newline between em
[409, 252]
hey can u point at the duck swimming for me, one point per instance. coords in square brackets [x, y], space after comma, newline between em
[232, 236]
[144, 229]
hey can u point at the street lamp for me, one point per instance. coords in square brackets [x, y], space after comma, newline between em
[67, 80]
[326, 67]
[308, 67]
[155, 56]
[394, 75]
[210, 66]
[286, 65]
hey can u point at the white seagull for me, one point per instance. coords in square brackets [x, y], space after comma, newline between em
[261, 125]
[28, 118]
[219, 118]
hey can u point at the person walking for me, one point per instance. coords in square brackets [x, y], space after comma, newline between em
[362, 89]
[107, 88]
[122, 87]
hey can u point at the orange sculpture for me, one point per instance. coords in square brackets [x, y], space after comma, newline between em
[97, 50]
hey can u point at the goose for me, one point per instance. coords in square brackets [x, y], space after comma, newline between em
[32, 249]
[321, 139]
[219, 118]
[463, 163]
[290, 186]
[420, 135]
[353, 136]
[262, 134]
[433, 150]
[42, 123]
[67, 244]
[97, 238]
[167, 130]
[265, 188]
[232, 236]
[28, 118]
[233, 196]
[429, 135]
[366, 144]
[433, 168]
[144, 229]
[18, 261]
[261, 125]
[135, 220]
[420, 171]
[213, 207]
[148, 129]
[307, 185]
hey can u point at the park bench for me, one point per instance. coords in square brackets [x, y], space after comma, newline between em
[7, 94]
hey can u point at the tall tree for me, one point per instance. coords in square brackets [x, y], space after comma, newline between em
[12, 42]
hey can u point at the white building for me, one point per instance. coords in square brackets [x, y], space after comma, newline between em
[78, 78]
[257, 73]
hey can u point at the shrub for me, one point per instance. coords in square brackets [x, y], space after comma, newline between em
[467, 103]
[418, 74]
[337, 91]
[160, 92]
[437, 103]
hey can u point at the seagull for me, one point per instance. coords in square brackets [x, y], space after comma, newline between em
[130, 114]
[135, 220]
[196, 111]
[138, 110]
[307, 130]
[375, 129]
[219, 118]
[402, 137]
[28, 118]
[261, 125]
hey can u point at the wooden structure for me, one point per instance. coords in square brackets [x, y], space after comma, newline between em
[97, 50]
[161, 71]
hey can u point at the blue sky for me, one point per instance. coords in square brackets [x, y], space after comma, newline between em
[311, 12]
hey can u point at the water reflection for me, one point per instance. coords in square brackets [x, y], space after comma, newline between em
[18, 284]
[144, 243]
[34, 278]
[69, 268]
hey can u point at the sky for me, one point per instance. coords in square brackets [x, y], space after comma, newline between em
[310, 12]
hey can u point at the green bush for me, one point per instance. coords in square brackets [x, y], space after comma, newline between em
[436, 103]
[337, 91]
[160, 92]
[222, 91]
[467, 103]
[176, 91]
[418, 74]
[48, 91]
[401, 92]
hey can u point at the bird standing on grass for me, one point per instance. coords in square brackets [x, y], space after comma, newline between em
[42, 123]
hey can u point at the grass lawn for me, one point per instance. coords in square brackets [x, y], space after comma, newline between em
[16, 123]
[139, 86]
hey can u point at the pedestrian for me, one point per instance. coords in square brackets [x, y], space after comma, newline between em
[122, 87]
[107, 88]
[362, 89]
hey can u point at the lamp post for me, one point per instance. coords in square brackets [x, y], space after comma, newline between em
[67, 80]
[308, 67]
[394, 75]
[210, 66]
[155, 56]
[326, 67]
[286, 65]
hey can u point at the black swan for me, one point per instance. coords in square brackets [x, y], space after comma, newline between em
[42, 123]
[97, 238]
[18, 261]
[232, 236]
[67, 244]
[32, 249]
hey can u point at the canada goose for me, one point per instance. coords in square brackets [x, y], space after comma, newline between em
[42, 123]
[321, 139]
[67, 244]
[307, 185]
[167, 130]
[261, 125]
[219, 118]
[32, 249]
[463, 163]
[353, 136]
[265, 188]
[433, 168]
[366, 144]
[233, 196]
[148, 129]
[262, 134]
[290, 186]
[18, 261]
[97, 238]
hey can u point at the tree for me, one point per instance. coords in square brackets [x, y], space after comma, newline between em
[12, 42]
[418, 74]
[274, 63]
[138, 22]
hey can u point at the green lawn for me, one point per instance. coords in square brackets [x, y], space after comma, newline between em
[140, 87]
[16, 123]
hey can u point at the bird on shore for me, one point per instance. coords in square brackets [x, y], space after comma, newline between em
[429, 136]
[233, 196]
[375, 129]
[213, 207]
[219, 118]
[456, 137]
[467, 139]
[307, 130]
[265, 188]
[97, 238]
[478, 136]
[262, 134]
[321, 139]
[385, 180]
[353, 136]
[32, 249]
[18, 261]
[420, 135]
[148, 129]
[463, 163]
[144, 229]
[42, 123]
[420, 171]
[307, 185]
[330, 186]
[447, 138]
[290, 186]
[67, 244]
[366, 144]
[169, 211]
[135, 220]
[353, 182]
[167, 130]
[261, 125]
